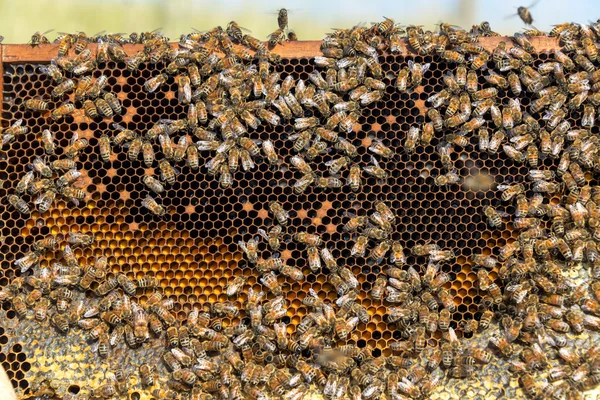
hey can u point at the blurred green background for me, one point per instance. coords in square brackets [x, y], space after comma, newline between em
[310, 19]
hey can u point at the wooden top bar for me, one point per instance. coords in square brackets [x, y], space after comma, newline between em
[13, 53]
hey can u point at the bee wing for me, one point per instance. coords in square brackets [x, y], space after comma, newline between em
[118, 127]
[147, 201]
[18, 122]
[452, 335]
[411, 64]
[243, 246]
[374, 161]
[6, 139]
[39, 199]
[349, 214]
[264, 234]
[425, 67]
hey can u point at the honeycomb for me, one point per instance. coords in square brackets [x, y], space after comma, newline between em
[193, 250]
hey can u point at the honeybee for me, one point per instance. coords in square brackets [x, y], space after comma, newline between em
[104, 148]
[152, 206]
[153, 184]
[25, 182]
[168, 172]
[375, 170]
[494, 216]
[417, 71]
[303, 183]
[68, 178]
[77, 145]
[412, 137]
[292, 272]
[378, 252]
[19, 204]
[53, 71]
[37, 104]
[251, 249]
[379, 148]
[14, 131]
[402, 79]
[328, 182]
[277, 37]
[39, 38]
[449, 178]
[360, 246]
[72, 194]
[153, 84]
[45, 200]
[180, 149]
[62, 111]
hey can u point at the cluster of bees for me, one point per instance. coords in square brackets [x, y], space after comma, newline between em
[226, 80]
[49, 176]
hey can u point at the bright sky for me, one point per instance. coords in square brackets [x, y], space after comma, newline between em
[311, 19]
